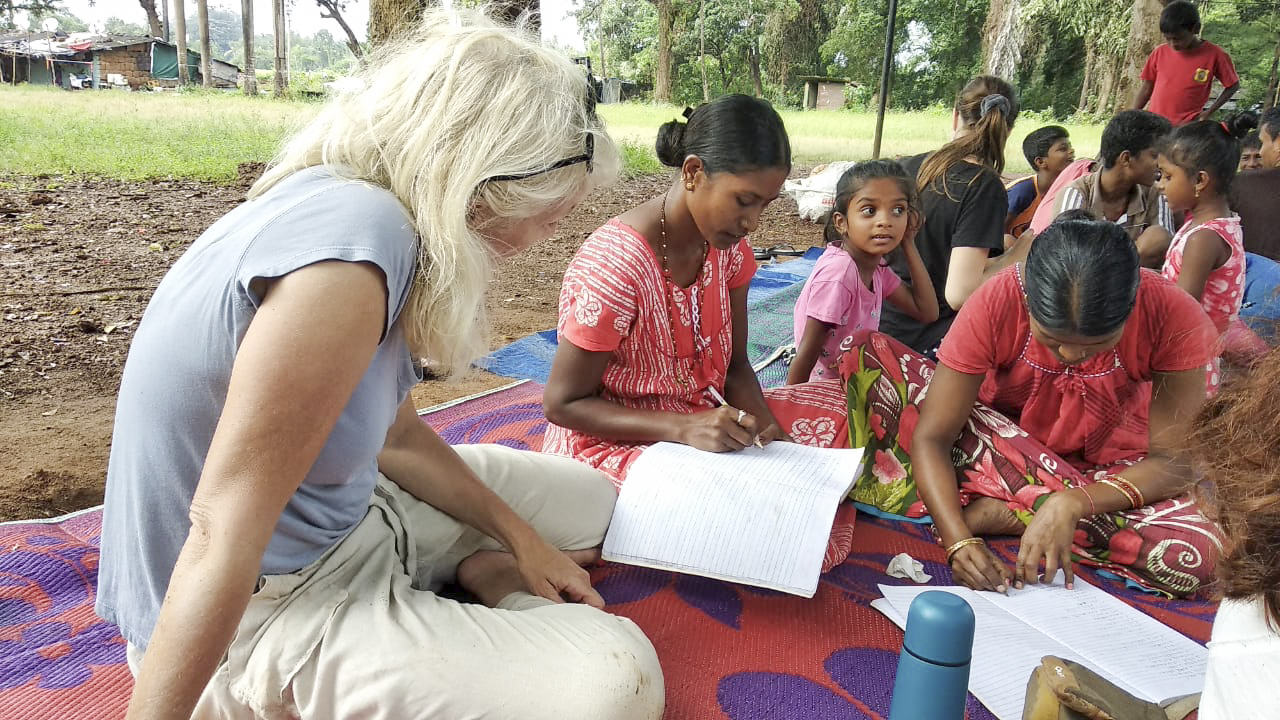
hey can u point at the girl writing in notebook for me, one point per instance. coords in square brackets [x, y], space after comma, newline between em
[877, 211]
[653, 312]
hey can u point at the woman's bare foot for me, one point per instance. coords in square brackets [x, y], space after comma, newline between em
[989, 516]
[490, 575]
[584, 558]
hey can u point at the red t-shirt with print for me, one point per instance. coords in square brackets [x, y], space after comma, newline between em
[1182, 80]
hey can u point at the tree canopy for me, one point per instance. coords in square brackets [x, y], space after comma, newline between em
[1065, 56]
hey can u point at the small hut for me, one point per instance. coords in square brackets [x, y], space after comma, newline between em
[823, 93]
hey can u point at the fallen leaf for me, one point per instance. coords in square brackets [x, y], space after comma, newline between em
[47, 414]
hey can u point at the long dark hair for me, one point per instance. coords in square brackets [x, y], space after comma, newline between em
[855, 178]
[1233, 442]
[1081, 277]
[733, 133]
[987, 106]
[1211, 146]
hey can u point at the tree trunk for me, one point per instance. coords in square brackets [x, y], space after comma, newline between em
[206, 48]
[332, 10]
[1002, 37]
[387, 18]
[1144, 36]
[246, 29]
[153, 18]
[604, 72]
[753, 65]
[282, 48]
[702, 48]
[1270, 100]
[1090, 69]
[662, 73]
[180, 29]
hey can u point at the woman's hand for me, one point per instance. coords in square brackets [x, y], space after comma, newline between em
[976, 567]
[723, 429]
[1049, 537]
[552, 574]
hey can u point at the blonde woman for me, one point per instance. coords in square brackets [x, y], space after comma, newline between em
[277, 516]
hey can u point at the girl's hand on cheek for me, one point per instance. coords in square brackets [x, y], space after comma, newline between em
[915, 221]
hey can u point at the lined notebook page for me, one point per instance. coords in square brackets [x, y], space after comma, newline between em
[759, 516]
[1139, 654]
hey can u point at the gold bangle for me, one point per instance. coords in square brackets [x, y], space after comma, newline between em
[1127, 492]
[955, 547]
[1135, 493]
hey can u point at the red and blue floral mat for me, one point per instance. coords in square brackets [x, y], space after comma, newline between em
[728, 651]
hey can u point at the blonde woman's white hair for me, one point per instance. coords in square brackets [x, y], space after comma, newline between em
[435, 114]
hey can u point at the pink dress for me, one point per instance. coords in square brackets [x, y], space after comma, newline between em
[835, 294]
[1224, 289]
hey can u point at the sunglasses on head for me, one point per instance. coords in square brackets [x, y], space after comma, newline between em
[586, 157]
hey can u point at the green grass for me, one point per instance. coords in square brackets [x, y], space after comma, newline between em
[133, 136]
[819, 136]
[205, 135]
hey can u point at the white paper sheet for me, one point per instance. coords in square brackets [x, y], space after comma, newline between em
[759, 516]
[1139, 654]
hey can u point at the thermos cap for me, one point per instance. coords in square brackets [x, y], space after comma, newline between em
[940, 628]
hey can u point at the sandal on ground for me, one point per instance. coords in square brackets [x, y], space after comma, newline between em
[784, 250]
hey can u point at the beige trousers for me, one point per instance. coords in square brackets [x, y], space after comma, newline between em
[361, 634]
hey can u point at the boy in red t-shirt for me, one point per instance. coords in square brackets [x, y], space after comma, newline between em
[1179, 74]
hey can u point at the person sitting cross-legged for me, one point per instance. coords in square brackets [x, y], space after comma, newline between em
[1061, 399]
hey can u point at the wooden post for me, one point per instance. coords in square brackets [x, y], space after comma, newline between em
[886, 68]
[180, 29]
[206, 48]
[282, 48]
[250, 71]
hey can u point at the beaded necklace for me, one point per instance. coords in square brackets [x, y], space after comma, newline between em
[695, 301]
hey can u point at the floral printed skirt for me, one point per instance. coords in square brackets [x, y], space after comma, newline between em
[1168, 546]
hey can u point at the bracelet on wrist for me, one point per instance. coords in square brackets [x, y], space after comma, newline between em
[1084, 490]
[955, 547]
[1125, 488]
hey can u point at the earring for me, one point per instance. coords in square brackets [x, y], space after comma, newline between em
[688, 185]
[1197, 193]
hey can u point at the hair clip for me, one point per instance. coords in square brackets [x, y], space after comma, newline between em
[688, 112]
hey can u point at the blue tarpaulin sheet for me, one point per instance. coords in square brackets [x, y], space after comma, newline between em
[530, 357]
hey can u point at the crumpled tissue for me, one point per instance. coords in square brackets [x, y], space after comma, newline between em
[904, 566]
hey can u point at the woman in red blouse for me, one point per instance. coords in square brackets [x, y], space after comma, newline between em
[653, 312]
[1057, 410]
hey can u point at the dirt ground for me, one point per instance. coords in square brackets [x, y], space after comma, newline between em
[80, 258]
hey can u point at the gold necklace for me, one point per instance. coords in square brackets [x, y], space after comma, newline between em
[695, 300]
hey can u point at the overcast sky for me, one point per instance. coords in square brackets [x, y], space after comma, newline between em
[304, 16]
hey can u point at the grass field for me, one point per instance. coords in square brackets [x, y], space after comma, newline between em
[204, 135]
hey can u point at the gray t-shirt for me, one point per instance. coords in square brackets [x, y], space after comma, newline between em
[179, 366]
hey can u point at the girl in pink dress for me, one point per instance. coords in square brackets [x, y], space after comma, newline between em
[877, 210]
[653, 313]
[1206, 257]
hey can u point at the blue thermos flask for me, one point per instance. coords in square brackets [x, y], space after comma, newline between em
[933, 668]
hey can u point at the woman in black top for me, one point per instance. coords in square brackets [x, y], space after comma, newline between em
[964, 208]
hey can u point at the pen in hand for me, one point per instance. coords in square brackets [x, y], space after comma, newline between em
[715, 395]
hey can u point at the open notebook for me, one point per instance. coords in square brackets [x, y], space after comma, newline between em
[1139, 654]
[759, 516]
